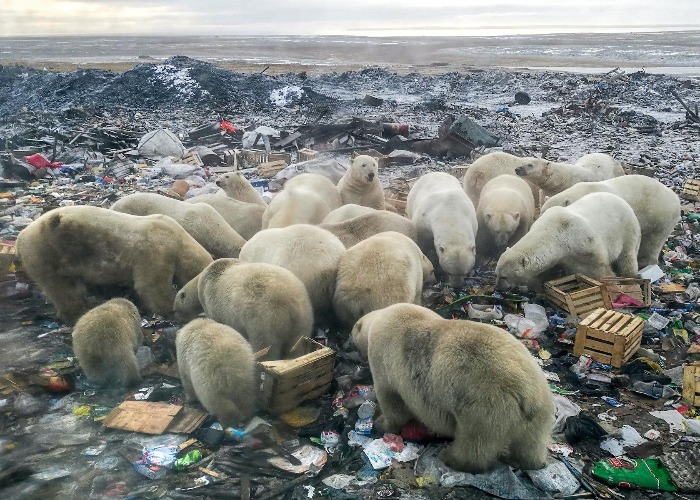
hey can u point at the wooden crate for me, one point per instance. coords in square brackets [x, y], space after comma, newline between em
[285, 384]
[257, 157]
[609, 337]
[636, 288]
[691, 384]
[691, 189]
[577, 294]
[306, 154]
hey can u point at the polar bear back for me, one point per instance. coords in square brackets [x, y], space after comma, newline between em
[267, 304]
[349, 211]
[602, 166]
[308, 251]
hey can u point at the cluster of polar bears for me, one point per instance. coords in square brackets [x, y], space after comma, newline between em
[263, 275]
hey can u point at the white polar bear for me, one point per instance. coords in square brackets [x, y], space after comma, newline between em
[657, 208]
[201, 221]
[267, 304]
[446, 223]
[490, 166]
[359, 228]
[217, 367]
[384, 269]
[245, 218]
[305, 199]
[360, 184]
[602, 165]
[349, 211]
[597, 235]
[470, 381]
[236, 186]
[553, 177]
[505, 213]
[309, 252]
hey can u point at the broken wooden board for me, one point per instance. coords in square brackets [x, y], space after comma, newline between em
[154, 418]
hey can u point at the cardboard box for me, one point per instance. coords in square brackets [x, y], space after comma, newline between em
[609, 337]
[285, 384]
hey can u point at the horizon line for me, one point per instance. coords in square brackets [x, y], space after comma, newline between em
[669, 27]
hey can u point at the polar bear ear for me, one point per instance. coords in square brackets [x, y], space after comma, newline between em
[441, 249]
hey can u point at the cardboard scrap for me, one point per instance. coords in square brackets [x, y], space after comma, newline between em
[671, 287]
[154, 418]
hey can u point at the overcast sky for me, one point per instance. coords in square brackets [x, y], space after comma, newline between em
[332, 17]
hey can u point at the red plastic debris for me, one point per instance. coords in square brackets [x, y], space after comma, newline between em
[228, 127]
[39, 161]
[415, 431]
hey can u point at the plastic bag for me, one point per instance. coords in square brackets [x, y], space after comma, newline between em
[640, 473]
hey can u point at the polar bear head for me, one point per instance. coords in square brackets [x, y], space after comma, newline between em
[364, 169]
[502, 226]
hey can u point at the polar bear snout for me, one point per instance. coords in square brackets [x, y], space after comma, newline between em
[523, 170]
[370, 176]
[502, 284]
[218, 182]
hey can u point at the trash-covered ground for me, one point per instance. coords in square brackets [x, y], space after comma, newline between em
[86, 127]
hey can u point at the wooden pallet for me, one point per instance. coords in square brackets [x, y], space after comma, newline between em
[691, 384]
[609, 337]
[306, 154]
[636, 288]
[577, 294]
[285, 384]
[691, 190]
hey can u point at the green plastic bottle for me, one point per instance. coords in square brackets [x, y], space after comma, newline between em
[189, 459]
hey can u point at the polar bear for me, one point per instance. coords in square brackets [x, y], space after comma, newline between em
[105, 340]
[244, 218]
[236, 186]
[201, 221]
[217, 367]
[384, 269]
[305, 199]
[349, 211]
[505, 213]
[267, 304]
[467, 380]
[446, 224]
[602, 165]
[489, 166]
[69, 249]
[359, 228]
[553, 177]
[360, 184]
[657, 208]
[309, 252]
[598, 236]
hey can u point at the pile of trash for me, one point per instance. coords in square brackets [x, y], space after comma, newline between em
[629, 426]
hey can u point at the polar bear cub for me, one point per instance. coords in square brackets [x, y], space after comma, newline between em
[467, 380]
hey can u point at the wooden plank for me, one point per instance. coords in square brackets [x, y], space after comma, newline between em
[604, 347]
[606, 337]
[690, 384]
[289, 403]
[186, 421]
[142, 416]
[595, 291]
[588, 320]
[313, 373]
[600, 320]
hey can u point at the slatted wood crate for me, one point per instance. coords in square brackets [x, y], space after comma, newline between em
[257, 157]
[285, 384]
[639, 289]
[691, 384]
[691, 189]
[306, 154]
[609, 337]
[577, 294]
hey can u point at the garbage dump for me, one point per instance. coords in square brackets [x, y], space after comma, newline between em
[621, 356]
